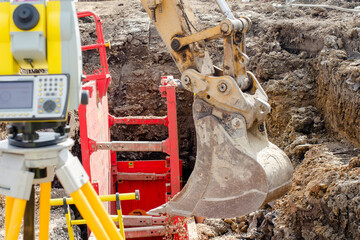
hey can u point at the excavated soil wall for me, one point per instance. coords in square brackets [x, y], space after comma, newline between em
[307, 60]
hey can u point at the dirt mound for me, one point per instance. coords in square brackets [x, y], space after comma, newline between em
[323, 203]
[324, 199]
[290, 48]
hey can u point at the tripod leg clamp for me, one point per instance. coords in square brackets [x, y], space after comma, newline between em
[70, 172]
[15, 179]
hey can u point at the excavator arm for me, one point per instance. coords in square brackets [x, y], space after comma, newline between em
[237, 169]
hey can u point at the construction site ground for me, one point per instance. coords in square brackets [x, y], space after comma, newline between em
[308, 62]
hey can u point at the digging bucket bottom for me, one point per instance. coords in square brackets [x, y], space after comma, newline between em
[237, 170]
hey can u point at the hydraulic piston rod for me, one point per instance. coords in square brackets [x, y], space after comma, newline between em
[224, 7]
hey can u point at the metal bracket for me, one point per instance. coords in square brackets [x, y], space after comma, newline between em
[141, 176]
[92, 146]
[90, 89]
[142, 232]
[142, 221]
[131, 146]
[138, 120]
[224, 93]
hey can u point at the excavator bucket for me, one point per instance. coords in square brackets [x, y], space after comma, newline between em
[237, 170]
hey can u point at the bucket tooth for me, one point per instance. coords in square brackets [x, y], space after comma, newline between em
[237, 170]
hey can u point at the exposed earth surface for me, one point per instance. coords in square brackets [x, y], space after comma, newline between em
[308, 62]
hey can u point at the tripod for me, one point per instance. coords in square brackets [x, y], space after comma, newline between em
[42, 34]
[21, 167]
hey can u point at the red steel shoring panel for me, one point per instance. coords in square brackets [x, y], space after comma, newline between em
[94, 125]
[152, 193]
[101, 75]
[93, 120]
[173, 138]
[93, 117]
[98, 164]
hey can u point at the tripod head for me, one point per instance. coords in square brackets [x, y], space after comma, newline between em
[39, 36]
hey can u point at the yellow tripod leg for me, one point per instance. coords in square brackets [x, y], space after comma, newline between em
[100, 211]
[9, 203]
[45, 194]
[17, 214]
[89, 215]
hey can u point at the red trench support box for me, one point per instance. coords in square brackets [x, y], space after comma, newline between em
[157, 180]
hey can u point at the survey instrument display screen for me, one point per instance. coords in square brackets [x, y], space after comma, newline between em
[16, 95]
[42, 98]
